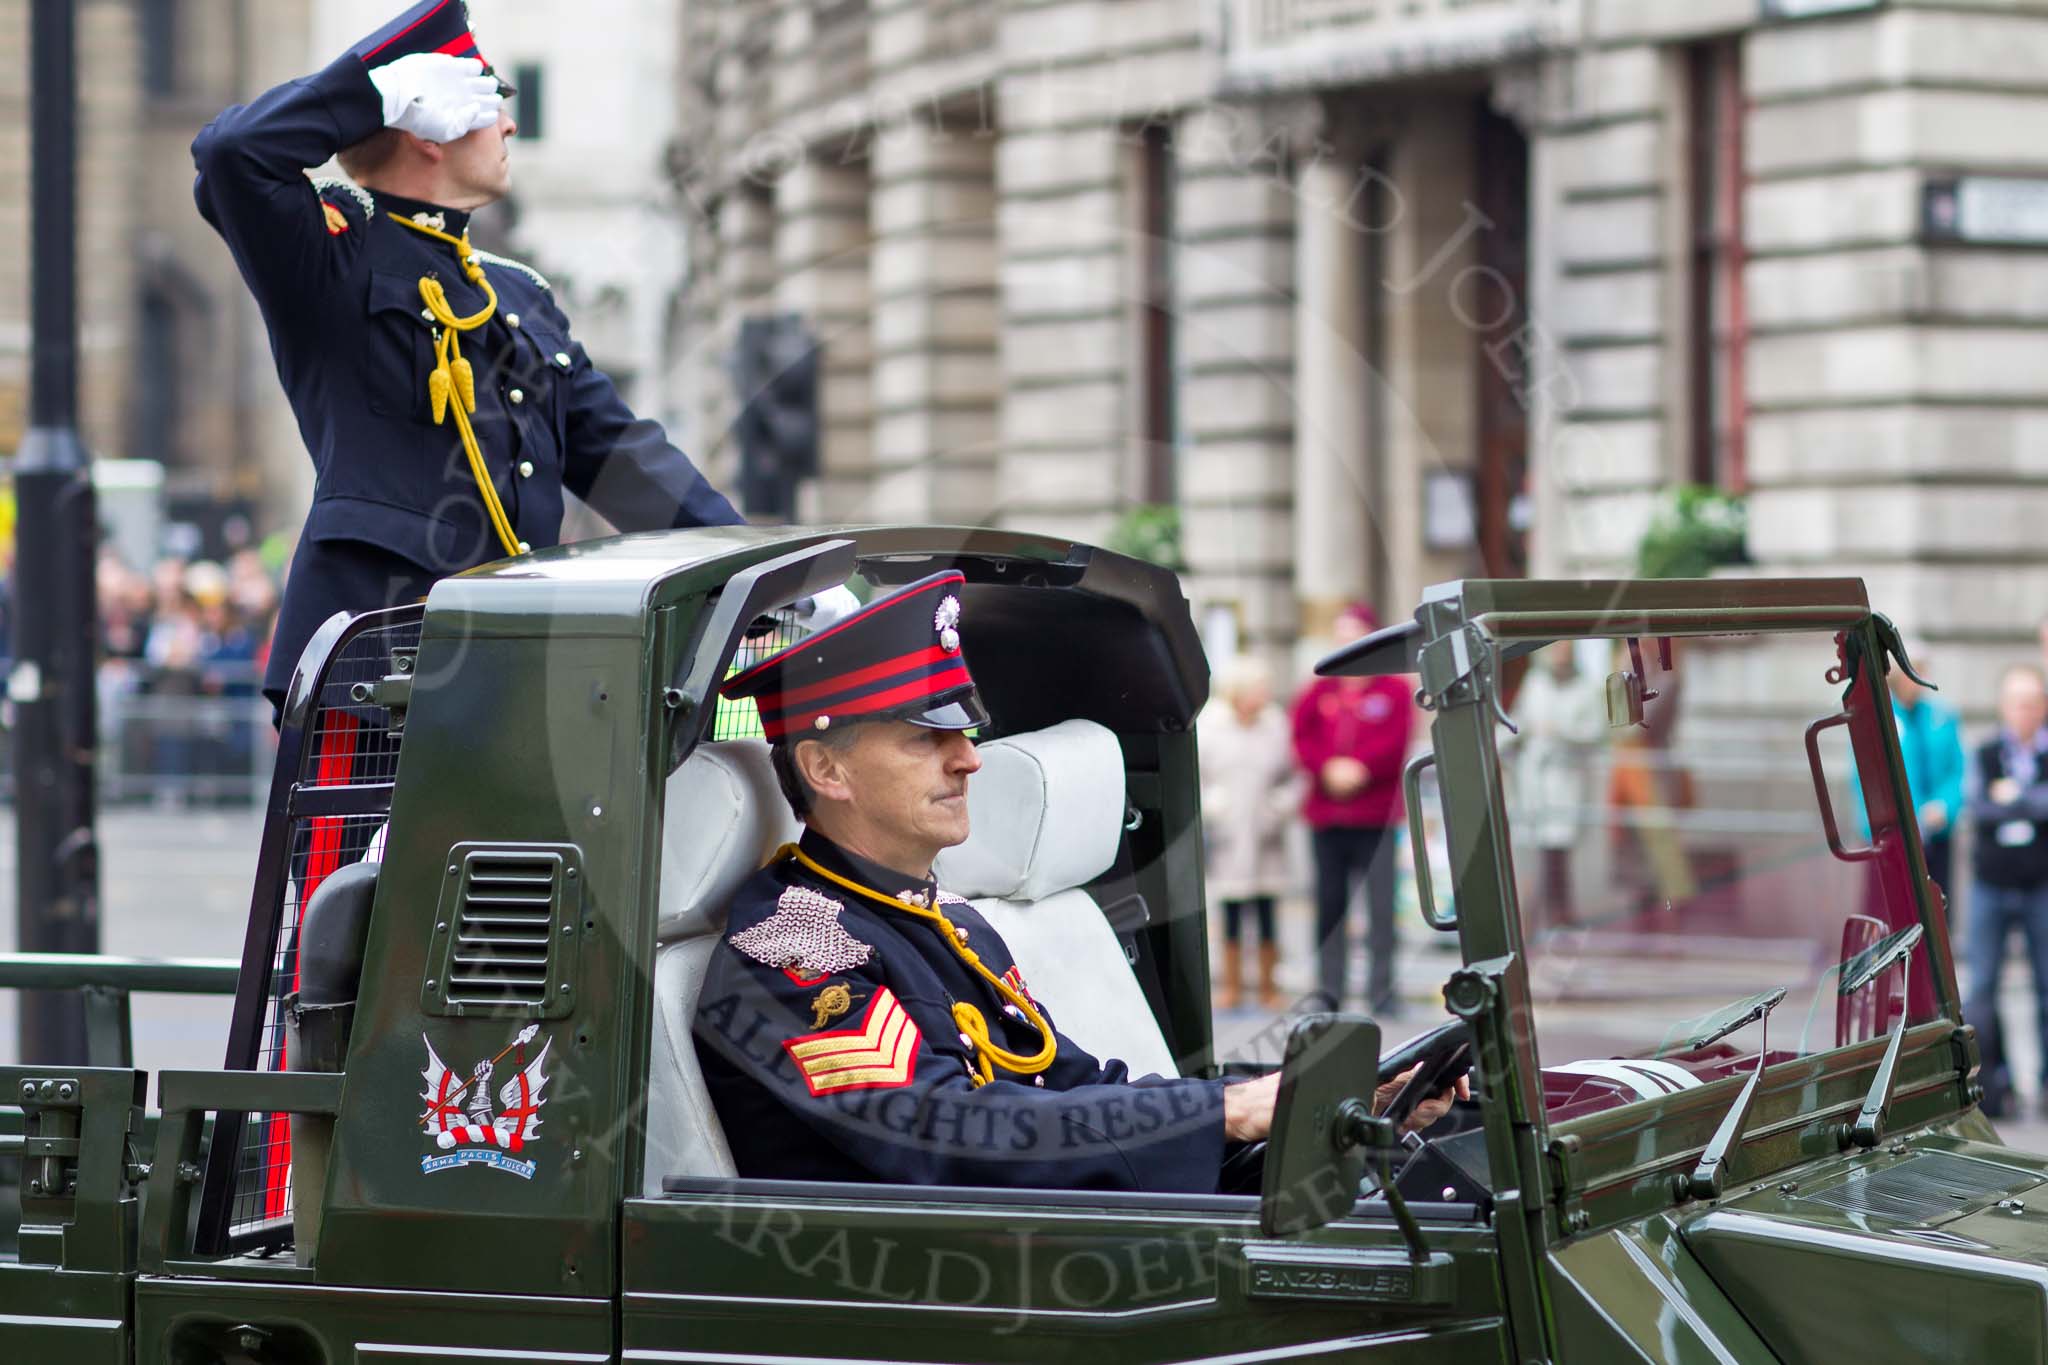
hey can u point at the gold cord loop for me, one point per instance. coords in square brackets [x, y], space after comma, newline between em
[451, 385]
[966, 1017]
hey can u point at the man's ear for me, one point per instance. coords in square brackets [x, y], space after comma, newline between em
[420, 147]
[823, 770]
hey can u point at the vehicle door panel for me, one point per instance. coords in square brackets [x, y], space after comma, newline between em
[1003, 1278]
[200, 1319]
[76, 1317]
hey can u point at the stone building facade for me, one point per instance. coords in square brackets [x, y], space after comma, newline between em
[1381, 294]
[175, 366]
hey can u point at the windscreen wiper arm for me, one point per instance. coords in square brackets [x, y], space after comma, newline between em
[1712, 1171]
[1858, 972]
[1708, 1029]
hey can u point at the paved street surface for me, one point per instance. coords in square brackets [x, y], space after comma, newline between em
[176, 884]
[172, 884]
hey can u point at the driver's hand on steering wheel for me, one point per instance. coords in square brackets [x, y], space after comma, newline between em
[1248, 1106]
[1429, 1110]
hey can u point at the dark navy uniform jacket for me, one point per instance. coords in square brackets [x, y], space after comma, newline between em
[828, 1043]
[395, 505]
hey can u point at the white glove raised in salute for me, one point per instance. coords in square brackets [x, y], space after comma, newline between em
[437, 97]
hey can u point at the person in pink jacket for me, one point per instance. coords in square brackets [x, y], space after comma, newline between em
[1350, 738]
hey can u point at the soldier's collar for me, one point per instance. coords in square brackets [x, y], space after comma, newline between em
[856, 868]
[454, 222]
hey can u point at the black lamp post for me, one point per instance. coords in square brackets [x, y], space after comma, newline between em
[51, 684]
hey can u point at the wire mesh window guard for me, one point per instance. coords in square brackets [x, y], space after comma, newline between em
[337, 773]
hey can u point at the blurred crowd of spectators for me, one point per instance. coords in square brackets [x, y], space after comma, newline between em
[187, 627]
[1331, 761]
[181, 652]
[182, 649]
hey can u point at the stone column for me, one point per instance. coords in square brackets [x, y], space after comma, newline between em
[821, 273]
[1066, 301]
[1430, 389]
[1333, 485]
[933, 282]
[1234, 287]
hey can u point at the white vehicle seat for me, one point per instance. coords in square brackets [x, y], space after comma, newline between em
[724, 817]
[1046, 813]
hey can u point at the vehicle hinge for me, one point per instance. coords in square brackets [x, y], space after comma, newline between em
[1458, 670]
[1963, 1044]
[1544, 1193]
[1562, 1152]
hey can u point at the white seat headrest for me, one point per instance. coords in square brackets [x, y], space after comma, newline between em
[723, 817]
[1046, 813]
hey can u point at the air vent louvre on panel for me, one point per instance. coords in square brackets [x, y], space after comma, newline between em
[506, 932]
[1922, 1188]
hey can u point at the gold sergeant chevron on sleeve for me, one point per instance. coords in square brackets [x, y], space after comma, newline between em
[881, 1052]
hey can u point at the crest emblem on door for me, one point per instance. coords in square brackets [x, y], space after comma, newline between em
[471, 1124]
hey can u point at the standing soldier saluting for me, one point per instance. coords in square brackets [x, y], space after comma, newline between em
[437, 387]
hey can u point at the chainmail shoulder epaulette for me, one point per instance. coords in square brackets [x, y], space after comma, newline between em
[520, 266]
[803, 933]
[351, 189]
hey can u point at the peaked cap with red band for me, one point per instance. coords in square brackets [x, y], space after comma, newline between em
[898, 658]
[431, 26]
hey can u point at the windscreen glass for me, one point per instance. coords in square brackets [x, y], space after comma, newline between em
[1673, 860]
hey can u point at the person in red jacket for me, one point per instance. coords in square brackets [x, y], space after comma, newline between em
[1350, 737]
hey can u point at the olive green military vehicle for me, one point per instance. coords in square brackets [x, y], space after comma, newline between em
[1723, 1098]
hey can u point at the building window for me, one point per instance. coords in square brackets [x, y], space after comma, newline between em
[159, 35]
[1158, 397]
[158, 411]
[529, 106]
[1717, 319]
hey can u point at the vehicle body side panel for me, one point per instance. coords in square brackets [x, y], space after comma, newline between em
[1637, 1294]
[1816, 1293]
[1477, 1343]
[1117, 1285]
[57, 1315]
[529, 743]
[1931, 1248]
[181, 1319]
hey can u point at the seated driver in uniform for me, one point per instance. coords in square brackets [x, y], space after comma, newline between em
[859, 1023]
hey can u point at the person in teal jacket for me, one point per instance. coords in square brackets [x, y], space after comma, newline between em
[1931, 742]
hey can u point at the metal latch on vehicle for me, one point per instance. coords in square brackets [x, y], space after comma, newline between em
[49, 1143]
[1458, 669]
[393, 692]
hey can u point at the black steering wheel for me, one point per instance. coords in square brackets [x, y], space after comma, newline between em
[1439, 1057]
